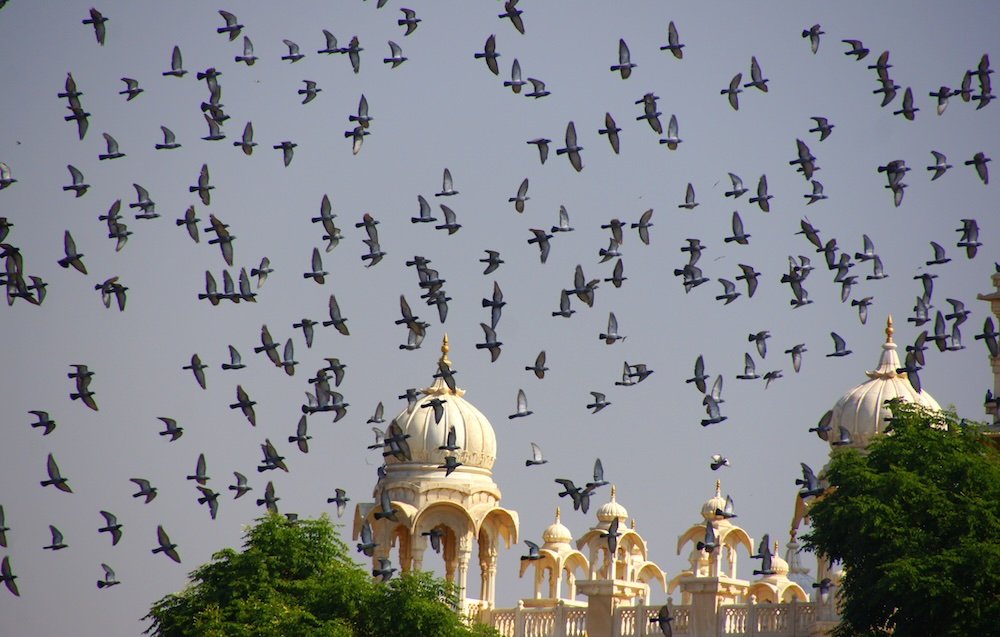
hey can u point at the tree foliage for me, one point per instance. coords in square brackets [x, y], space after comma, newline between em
[915, 521]
[296, 579]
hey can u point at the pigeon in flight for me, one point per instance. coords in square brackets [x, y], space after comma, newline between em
[7, 576]
[511, 12]
[98, 20]
[572, 150]
[625, 65]
[611, 130]
[522, 406]
[539, 367]
[55, 478]
[111, 527]
[536, 456]
[673, 42]
[813, 34]
[232, 28]
[490, 55]
[166, 547]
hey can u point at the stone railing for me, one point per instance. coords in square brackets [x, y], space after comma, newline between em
[633, 621]
[558, 621]
[767, 620]
[793, 619]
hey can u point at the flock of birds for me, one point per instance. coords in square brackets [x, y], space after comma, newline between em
[24, 285]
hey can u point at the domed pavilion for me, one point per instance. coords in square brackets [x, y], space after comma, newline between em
[457, 505]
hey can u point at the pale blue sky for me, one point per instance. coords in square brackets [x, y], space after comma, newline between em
[443, 108]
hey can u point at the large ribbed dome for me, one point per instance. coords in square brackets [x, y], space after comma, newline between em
[475, 438]
[862, 410]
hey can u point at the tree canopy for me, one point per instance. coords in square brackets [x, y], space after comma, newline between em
[915, 521]
[297, 579]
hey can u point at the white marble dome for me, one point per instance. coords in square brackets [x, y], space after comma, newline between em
[611, 510]
[715, 502]
[557, 533]
[862, 410]
[474, 434]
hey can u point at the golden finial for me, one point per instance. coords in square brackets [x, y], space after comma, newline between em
[557, 515]
[633, 524]
[889, 331]
[614, 492]
[444, 351]
[718, 488]
[776, 547]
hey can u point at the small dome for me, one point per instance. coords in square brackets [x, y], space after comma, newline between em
[611, 510]
[474, 435]
[713, 503]
[778, 563]
[557, 533]
[862, 410]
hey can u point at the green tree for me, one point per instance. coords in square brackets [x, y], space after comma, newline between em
[296, 579]
[915, 521]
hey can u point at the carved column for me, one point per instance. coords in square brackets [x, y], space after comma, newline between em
[488, 569]
[417, 554]
[464, 554]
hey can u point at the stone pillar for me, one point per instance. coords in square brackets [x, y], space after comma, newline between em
[417, 554]
[464, 554]
[603, 597]
[488, 570]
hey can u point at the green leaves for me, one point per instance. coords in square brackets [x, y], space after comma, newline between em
[297, 579]
[915, 520]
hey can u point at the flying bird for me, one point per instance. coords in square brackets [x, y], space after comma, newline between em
[7, 576]
[166, 547]
[979, 160]
[145, 489]
[856, 48]
[511, 12]
[718, 461]
[522, 406]
[521, 196]
[396, 56]
[572, 150]
[98, 20]
[813, 34]
[543, 147]
[673, 42]
[490, 55]
[611, 130]
[409, 20]
[757, 79]
[55, 477]
[232, 28]
[732, 93]
[248, 57]
[625, 65]
[536, 456]
[111, 527]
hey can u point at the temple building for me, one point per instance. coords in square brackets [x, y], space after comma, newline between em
[437, 492]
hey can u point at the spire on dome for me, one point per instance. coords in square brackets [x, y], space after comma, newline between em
[614, 492]
[718, 488]
[888, 363]
[444, 351]
[558, 512]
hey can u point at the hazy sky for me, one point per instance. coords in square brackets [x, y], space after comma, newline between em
[443, 108]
